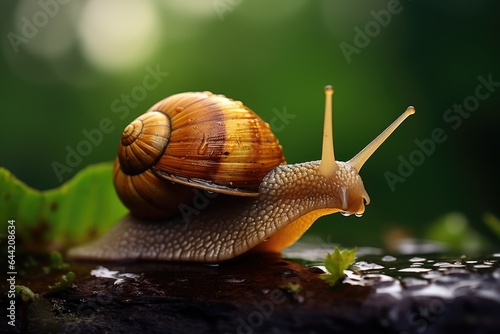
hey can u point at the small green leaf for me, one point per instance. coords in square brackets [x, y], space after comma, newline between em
[295, 291]
[337, 262]
[25, 293]
[292, 288]
[79, 210]
[63, 284]
[57, 261]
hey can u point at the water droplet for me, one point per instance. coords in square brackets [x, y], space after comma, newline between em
[363, 265]
[119, 277]
[417, 259]
[203, 146]
[179, 109]
[414, 270]
[482, 266]
[345, 214]
[359, 215]
[323, 268]
[442, 265]
[388, 258]
[439, 264]
[235, 280]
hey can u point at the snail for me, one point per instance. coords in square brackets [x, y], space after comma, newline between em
[216, 184]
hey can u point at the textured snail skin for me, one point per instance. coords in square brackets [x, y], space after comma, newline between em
[291, 198]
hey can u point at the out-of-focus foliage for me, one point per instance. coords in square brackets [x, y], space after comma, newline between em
[493, 223]
[79, 210]
[63, 284]
[25, 293]
[456, 233]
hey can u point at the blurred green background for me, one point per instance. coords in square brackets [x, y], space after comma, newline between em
[67, 65]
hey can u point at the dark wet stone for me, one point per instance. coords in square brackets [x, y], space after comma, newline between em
[260, 294]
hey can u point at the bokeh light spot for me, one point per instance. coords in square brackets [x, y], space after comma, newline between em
[47, 29]
[119, 34]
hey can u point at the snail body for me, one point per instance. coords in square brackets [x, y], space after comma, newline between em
[289, 198]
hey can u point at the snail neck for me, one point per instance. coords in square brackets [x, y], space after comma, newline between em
[305, 195]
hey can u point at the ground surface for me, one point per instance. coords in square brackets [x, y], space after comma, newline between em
[259, 294]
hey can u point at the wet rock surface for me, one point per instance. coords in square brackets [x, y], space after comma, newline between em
[382, 293]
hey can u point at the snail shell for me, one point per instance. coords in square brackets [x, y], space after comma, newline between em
[192, 140]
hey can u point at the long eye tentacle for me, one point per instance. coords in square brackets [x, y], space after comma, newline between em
[328, 165]
[359, 159]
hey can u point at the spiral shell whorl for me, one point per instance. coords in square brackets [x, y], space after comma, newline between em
[216, 141]
[143, 142]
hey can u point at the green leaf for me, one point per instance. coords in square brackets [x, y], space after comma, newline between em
[25, 293]
[337, 262]
[455, 231]
[57, 261]
[79, 210]
[294, 290]
[63, 284]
